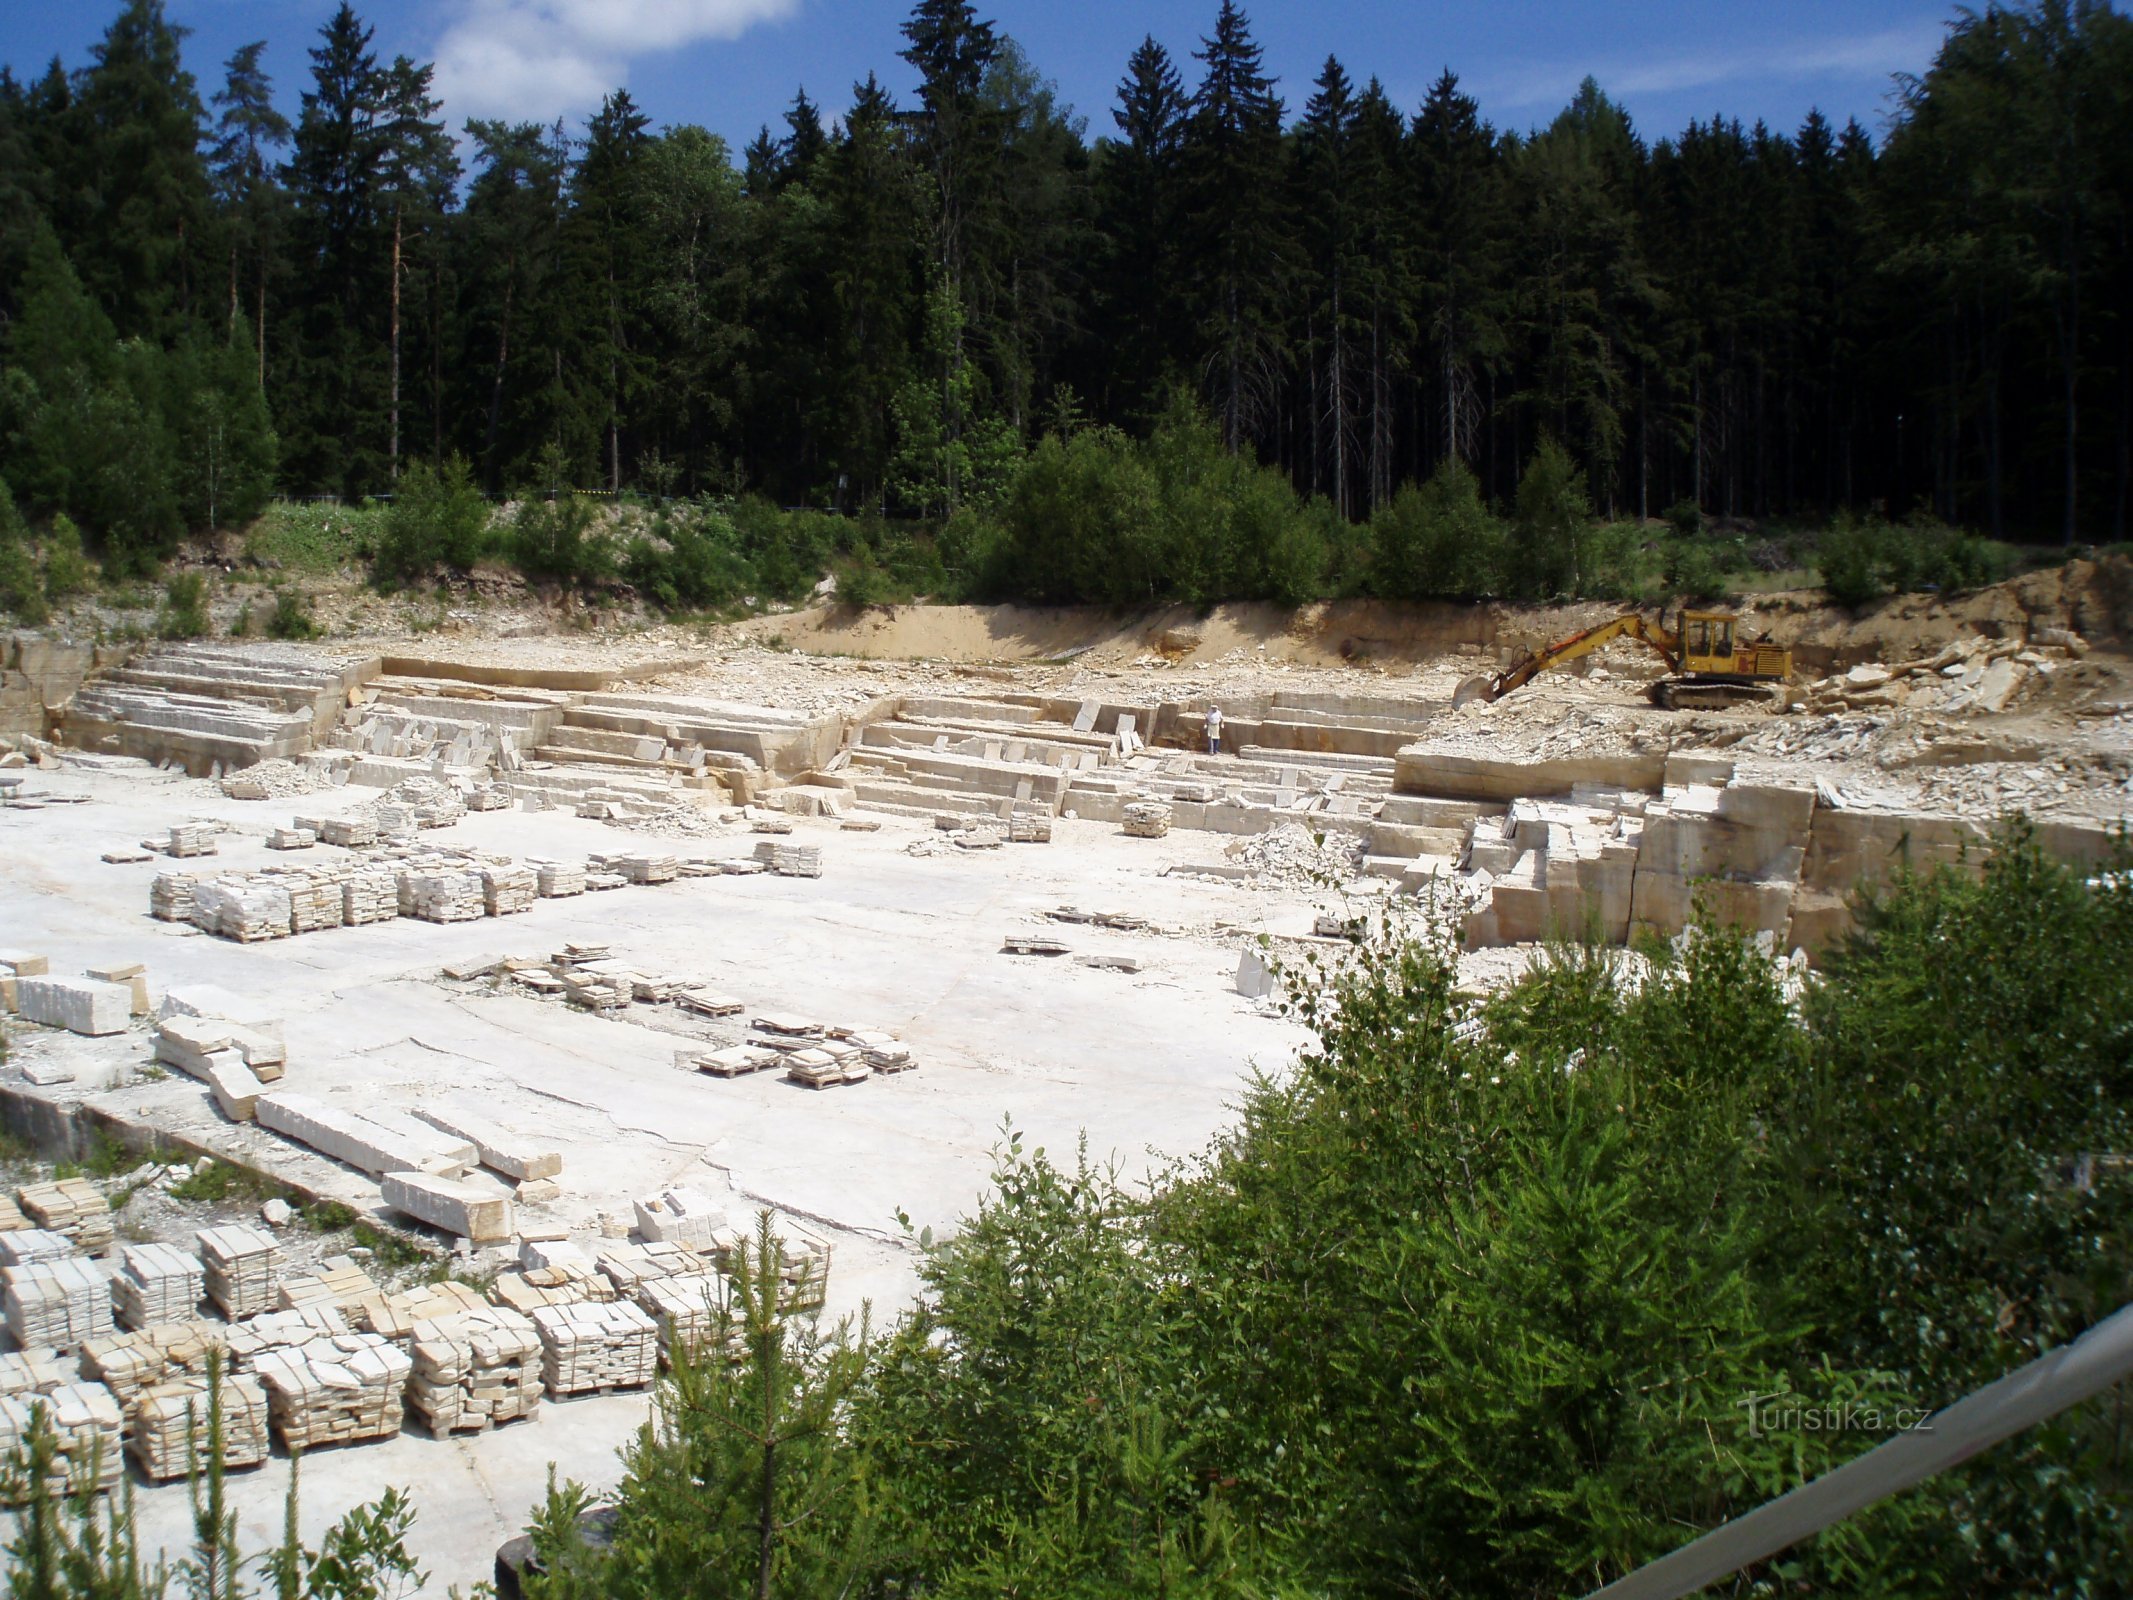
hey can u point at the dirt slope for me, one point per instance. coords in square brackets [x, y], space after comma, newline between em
[2094, 599]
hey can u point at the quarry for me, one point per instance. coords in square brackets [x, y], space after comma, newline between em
[519, 974]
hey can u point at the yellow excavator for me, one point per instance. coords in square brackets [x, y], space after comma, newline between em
[1710, 662]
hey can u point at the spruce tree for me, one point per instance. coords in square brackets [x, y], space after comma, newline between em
[1137, 198]
[1240, 252]
[252, 202]
[133, 194]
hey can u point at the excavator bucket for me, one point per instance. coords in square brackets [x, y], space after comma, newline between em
[1481, 687]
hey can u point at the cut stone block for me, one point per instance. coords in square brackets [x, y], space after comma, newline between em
[25, 965]
[499, 1149]
[80, 1005]
[236, 1090]
[356, 1140]
[470, 1210]
[133, 975]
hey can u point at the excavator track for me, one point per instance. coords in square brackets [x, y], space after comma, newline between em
[1679, 695]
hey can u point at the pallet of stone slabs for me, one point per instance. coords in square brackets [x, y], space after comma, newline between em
[735, 1062]
[88, 1425]
[167, 1425]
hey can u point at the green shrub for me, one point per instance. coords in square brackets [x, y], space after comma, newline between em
[438, 518]
[1684, 518]
[1551, 529]
[1437, 540]
[292, 617]
[688, 559]
[552, 540]
[67, 571]
[1863, 559]
[184, 613]
[1692, 568]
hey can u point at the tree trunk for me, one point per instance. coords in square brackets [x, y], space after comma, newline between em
[392, 448]
[496, 389]
[260, 337]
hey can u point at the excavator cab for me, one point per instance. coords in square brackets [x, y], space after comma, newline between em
[1707, 642]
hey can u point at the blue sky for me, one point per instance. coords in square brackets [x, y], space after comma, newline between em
[733, 64]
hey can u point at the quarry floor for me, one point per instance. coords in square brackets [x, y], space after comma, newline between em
[1142, 1066]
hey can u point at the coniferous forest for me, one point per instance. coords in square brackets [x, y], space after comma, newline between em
[216, 288]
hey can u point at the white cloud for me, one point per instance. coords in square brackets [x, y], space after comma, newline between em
[531, 60]
[1890, 50]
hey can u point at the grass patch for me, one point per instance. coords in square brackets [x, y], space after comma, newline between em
[314, 538]
[328, 1216]
[393, 1251]
[221, 1181]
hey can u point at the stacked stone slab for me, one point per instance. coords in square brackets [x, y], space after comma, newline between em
[80, 1005]
[317, 901]
[36, 1371]
[394, 1316]
[242, 1263]
[561, 1285]
[370, 894]
[441, 896]
[475, 1368]
[170, 895]
[282, 1330]
[627, 1266]
[168, 1425]
[691, 1311]
[680, 1216]
[1146, 819]
[790, 860]
[350, 833]
[505, 889]
[26, 1243]
[246, 909]
[557, 880]
[643, 867]
[591, 1346]
[826, 1064]
[73, 1208]
[85, 1421]
[155, 1283]
[193, 839]
[62, 1304]
[338, 1283]
[341, 1389]
[130, 1364]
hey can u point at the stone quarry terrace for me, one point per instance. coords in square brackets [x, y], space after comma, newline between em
[571, 970]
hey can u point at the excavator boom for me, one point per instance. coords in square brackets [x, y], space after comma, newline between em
[1704, 662]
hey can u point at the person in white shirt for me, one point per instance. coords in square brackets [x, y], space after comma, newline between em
[1214, 730]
